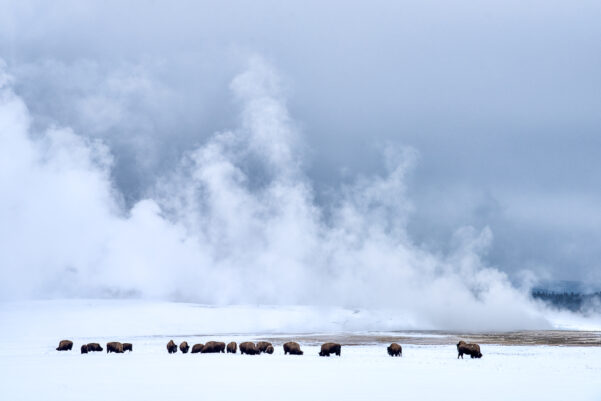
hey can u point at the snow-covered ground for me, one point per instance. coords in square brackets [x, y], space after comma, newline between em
[31, 369]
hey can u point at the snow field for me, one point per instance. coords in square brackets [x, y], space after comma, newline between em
[362, 372]
[31, 368]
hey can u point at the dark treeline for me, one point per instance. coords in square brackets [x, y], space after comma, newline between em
[574, 301]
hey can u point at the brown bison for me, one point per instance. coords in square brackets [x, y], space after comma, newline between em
[262, 346]
[65, 345]
[184, 347]
[329, 348]
[84, 349]
[115, 347]
[292, 348]
[395, 349]
[171, 347]
[231, 348]
[249, 348]
[213, 347]
[94, 347]
[128, 347]
[196, 348]
[473, 350]
[269, 349]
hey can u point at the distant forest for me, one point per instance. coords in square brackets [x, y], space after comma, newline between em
[574, 301]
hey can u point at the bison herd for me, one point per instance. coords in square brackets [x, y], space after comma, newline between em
[117, 347]
[250, 348]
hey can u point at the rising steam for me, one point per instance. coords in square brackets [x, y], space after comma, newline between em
[235, 223]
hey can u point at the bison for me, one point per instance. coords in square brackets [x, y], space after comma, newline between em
[197, 348]
[292, 348]
[473, 350]
[262, 346]
[213, 347]
[84, 349]
[115, 347]
[171, 347]
[128, 347]
[249, 348]
[231, 348]
[65, 345]
[184, 347]
[395, 350]
[329, 348]
[94, 347]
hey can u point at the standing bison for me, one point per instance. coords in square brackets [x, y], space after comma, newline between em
[249, 348]
[329, 348]
[197, 348]
[184, 347]
[473, 350]
[94, 347]
[171, 347]
[84, 349]
[115, 347]
[128, 347]
[292, 348]
[213, 347]
[395, 349]
[65, 345]
[231, 348]
[263, 345]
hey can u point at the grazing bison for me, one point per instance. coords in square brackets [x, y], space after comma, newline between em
[213, 347]
[262, 346]
[184, 347]
[395, 350]
[65, 345]
[249, 348]
[94, 347]
[292, 348]
[128, 347]
[269, 349]
[171, 347]
[231, 348]
[473, 350]
[84, 349]
[196, 348]
[329, 348]
[115, 347]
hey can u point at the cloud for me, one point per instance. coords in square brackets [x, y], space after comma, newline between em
[501, 100]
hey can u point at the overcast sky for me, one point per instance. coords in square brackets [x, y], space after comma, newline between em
[500, 100]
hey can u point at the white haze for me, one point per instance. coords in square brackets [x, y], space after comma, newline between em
[213, 233]
[501, 98]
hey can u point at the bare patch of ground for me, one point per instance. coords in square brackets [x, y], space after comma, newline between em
[534, 337]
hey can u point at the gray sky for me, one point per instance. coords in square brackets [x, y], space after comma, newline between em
[501, 100]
